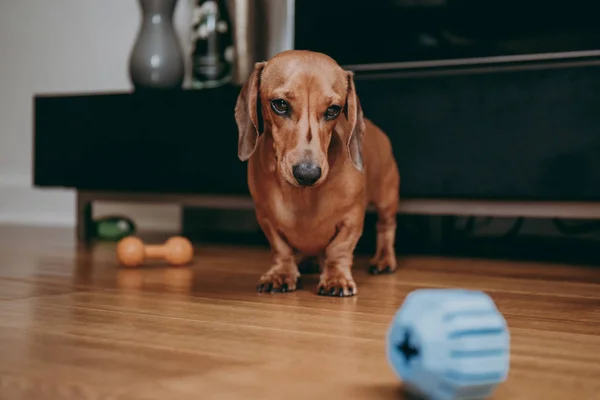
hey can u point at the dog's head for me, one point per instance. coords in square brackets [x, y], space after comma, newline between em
[300, 98]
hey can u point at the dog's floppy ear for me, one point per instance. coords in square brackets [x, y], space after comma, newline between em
[354, 115]
[247, 114]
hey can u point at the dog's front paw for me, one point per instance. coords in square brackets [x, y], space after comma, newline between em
[384, 264]
[336, 282]
[279, 279]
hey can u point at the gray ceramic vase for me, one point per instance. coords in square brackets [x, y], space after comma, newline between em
[156, 60]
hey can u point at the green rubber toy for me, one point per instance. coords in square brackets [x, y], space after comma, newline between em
[113, 228]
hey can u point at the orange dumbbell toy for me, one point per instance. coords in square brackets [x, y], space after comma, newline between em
[132, 252]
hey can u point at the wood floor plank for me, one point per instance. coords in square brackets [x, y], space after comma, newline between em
[74, 325]
[41, 364]
[16, 289]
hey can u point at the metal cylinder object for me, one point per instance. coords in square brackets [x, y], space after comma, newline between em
[261, 29]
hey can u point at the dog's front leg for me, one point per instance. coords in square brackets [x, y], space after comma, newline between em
[283, 275]
[336, 279]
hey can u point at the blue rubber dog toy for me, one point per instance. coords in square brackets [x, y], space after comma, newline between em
[449, 344]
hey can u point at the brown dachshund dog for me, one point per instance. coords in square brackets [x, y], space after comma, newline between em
[314, 164]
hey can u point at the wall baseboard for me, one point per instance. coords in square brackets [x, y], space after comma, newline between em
[23, 204]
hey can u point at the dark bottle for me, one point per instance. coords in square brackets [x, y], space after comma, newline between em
[212, 44]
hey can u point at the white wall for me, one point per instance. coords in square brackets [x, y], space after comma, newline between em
[63, 46]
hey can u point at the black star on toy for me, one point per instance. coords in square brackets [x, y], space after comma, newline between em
[408, 351]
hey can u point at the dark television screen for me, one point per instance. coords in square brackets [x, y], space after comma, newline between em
[389, 31]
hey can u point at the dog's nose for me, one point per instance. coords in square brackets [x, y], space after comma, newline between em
[306, 174]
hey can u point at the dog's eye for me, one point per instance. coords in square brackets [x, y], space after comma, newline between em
[332, 112]
[279, 106]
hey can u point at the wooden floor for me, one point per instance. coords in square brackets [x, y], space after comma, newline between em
[73, 325]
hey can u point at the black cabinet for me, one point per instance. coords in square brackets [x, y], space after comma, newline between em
[181, 141]
[527, 132]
